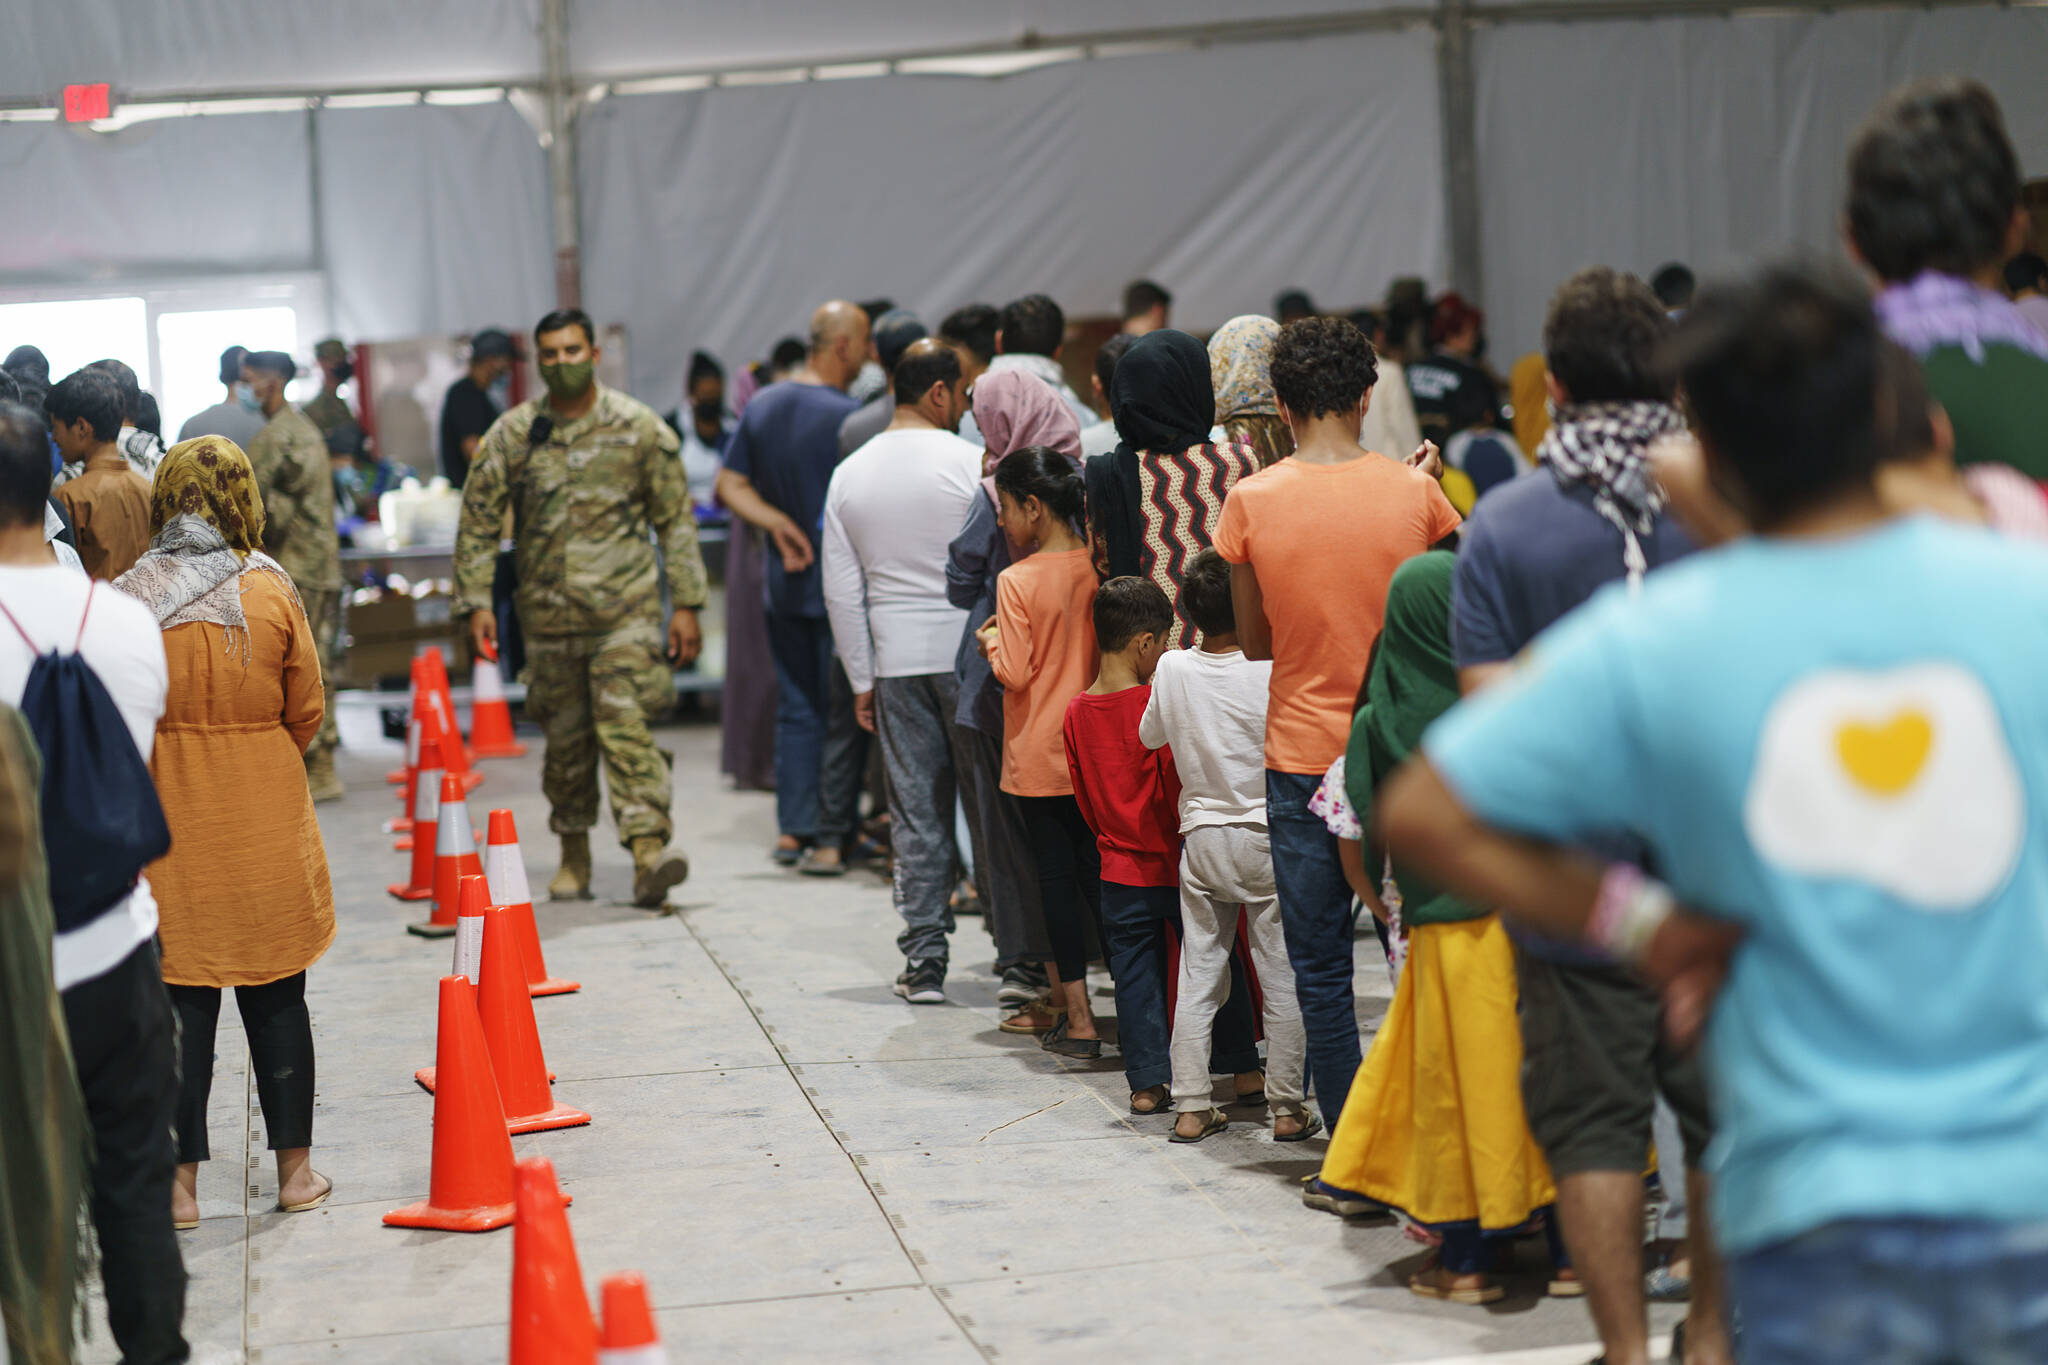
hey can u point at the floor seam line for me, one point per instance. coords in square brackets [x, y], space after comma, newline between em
[859, 1171]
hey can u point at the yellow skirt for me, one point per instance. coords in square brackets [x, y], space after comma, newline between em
[1434, 1125]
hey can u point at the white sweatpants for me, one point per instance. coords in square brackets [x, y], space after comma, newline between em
[1225, 868]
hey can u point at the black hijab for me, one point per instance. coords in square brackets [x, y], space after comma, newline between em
[1161, 393]
[1164, 403]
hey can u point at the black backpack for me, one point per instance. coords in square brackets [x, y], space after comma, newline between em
[102, 822]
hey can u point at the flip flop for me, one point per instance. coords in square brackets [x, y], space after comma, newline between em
[178, 1225]
[1057, 1042]
[1432, 1282]
[1214, 1121]
[309, 1205]
[1310, 1126]
[1164, 1106]
[1010, 1025]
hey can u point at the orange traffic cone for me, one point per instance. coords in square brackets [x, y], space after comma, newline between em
[426, 817]
[442, 702]
[490, 715]
[402, 826]
[412, 716]
[510, 1034]
[470, 896]
[629, 1337]
[505, 868]
[454, 858]
[551, 1322]
[470, 1188]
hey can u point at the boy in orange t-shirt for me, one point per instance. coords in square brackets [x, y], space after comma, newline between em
[1313, 542]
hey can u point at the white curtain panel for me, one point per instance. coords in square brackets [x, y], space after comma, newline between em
[170, 197]
[719, 219]
[1709, 141]
[435, 220]
[146, 47]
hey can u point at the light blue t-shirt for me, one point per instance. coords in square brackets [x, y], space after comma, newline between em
[1844, 746]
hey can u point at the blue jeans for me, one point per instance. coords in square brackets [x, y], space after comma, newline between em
[1135, 923]
[802, 649]
[1897, 1291]
[1315, 912]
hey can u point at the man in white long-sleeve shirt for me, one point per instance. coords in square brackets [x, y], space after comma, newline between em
[892, 508]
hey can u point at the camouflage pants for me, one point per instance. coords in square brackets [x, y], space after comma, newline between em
[595, 694]
[323, 614]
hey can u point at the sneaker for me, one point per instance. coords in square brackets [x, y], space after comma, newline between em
[1022, 984]
[1318, 1193]
[923, 983]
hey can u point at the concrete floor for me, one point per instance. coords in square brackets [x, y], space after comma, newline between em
[802, 1166]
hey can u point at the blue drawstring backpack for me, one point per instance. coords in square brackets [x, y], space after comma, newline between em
[102, 822]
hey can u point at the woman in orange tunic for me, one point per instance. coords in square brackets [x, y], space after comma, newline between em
[243, 896]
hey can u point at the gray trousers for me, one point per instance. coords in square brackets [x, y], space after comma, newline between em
[914, 717]
[1005, 868]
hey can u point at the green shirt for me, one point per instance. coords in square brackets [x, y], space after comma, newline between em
[290, 459]
[1999, 408]
[583, 502]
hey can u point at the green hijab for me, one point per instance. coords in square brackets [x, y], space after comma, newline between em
[1413, 680]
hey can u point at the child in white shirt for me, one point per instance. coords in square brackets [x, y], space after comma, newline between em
[1209, 704]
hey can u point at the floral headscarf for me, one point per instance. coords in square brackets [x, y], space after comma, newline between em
[1241, 367]
[210, 478]
[1015, 408]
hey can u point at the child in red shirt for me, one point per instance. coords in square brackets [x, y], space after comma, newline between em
[1130, 797]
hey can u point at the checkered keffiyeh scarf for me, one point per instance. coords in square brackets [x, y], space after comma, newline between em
[1604, 447]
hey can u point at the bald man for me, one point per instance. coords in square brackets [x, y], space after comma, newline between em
[777, 470]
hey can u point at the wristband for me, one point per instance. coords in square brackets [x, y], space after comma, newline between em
[1628, 912]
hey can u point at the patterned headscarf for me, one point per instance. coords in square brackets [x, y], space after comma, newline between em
[210, 478]
[1604, 446]
[206, 524]
[1015, 408]
[1241, 367]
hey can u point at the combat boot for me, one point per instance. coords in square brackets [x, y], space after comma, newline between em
[572, 883]
[321, 778]
[655, 869]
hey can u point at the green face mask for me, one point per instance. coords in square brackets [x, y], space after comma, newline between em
[568, 381]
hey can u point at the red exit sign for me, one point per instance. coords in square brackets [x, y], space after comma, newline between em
[84, 103]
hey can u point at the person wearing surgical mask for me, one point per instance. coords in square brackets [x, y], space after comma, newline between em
[471, 404]
[585, 473]
[703, 426]
[238, 416]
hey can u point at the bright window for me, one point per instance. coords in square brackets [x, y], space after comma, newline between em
[75, 332]
[190, 345]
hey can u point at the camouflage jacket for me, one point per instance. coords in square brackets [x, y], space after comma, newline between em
[290, 459]
[326, 412]
[582, 502]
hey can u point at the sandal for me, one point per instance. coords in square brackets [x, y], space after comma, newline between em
[1435, 1282]
[1056, 1041]
[1162, 1098]
[1038, 1017]
[307, 1206]
[1214, 1121]
[1565, 1284]
[1310, 1126]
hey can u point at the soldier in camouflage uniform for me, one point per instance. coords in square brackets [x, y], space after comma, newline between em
[328, 411]
[586, 471]
[290, 459]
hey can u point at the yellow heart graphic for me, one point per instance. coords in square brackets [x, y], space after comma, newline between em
[1885, 759]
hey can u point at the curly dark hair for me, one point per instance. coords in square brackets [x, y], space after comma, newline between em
[1032, 325]
[1933, 181]
[1322, 365]
[1126, 608]
[1601, 336]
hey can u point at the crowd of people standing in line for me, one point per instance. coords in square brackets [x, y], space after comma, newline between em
[1217, 660]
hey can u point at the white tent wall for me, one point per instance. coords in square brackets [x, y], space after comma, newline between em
[1706, 140]
[718, 219]
[617, 37]
[150, 47]
[175, 197]
[433, 219]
